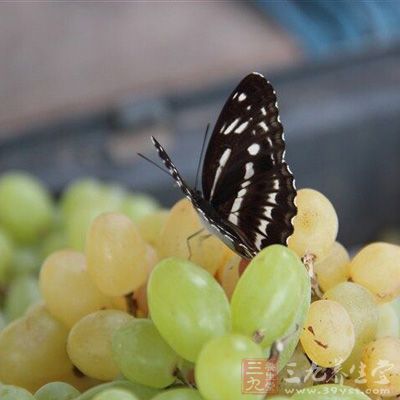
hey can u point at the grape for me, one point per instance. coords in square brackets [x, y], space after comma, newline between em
[26, 210]
[8, 392]
[6, 254]
[187, 306]
[57, 391]
[179, 394]
[363, 312]
[315, 226]
[388, 322]
[296, 374]
[89, 343]
[330, 392]
[183, 222]
[22, 292]
[36, 344]
[115, 394]
[116, 255]
[54, 241]
[138, 206]
[142, 392]
[219, 367]
[333, 269]
[67, 288]
[377, 267]
[382, 365]
[229, 273]
[25, 260]
[2, 322]
[151, 225]
[265, 303]
[143, 356]
[328, 335]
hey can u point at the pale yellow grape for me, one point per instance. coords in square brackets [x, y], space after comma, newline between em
[57, 391]
[8, 392]
[33, 353]
[388, 322]
[179, 394]
[382, 365]
[89, 343]
[115, 394]
[116, 255]
[333, 269]
[228, 274]
[363, 311]
[6, 256]
[377, 267]
[315, 225]
[151, 225]
[137, 206]
[67, 288]
[328, 334]
[219, 368]
[296, 373]
[182, 222]
[330, 392]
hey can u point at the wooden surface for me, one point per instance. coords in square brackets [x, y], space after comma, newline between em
[61, 58]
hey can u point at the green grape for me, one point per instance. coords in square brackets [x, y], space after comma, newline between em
[151, 225]
[116, 255]
[315, 225]
[115, 394]
[25, 260]
[179, 394]
[265, 303]
[328, 335]
[35, 344]
[219, 367]
[26, 209]
[8, 392]
[89, 343]
[363, 312]
[187, 305]
[388, 322]
[57, 391]
[54, 241]
[377, 267]
[6, 255]
[143, 356]
[22, 292]
[141, 392]
[330, 392]
[138, 206]
[67, 289]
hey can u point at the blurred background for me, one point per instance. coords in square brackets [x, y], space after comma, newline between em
[83, 85]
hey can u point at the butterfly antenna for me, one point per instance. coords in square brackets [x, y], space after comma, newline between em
[201, 155]
[154, 163]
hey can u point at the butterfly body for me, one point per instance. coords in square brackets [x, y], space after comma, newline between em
[248, 192]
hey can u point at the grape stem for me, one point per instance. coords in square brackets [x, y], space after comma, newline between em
[184, 378]
[308, 261]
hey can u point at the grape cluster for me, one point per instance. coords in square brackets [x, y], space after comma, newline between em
[104, 299]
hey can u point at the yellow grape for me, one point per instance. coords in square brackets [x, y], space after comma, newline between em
[377, 267]
[116, 255]
[334, 268]
[33, 353]
[151, 226]
[388, 322]
[228, 274]
[89, 343]
[328, 334]
[315, 225]
[182, 222]
[382, 365]
[363, 311]
[67, 289]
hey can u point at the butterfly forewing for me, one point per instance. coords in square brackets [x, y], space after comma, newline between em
[244, 176]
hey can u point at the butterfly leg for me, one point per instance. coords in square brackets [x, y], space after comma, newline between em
[189, 238]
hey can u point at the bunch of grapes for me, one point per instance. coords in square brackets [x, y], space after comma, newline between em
[130, 310]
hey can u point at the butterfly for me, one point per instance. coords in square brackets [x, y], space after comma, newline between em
[248, 191]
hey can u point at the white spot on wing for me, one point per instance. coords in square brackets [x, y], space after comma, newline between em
[230, 128]
[249, 170]
[276, 184]
[236, 205]
[272, 198]
[233, 218]
[222, 162]
[253, 149]
[264, 126]
[242, 97]
[248, 108]
[264, 111]
[259, 239]
[263, 225]
[241, 127]
[268, 212]
[242, 192]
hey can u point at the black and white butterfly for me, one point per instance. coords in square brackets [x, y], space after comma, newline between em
[248, 191]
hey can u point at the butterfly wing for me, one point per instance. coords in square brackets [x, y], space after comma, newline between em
[245, 177]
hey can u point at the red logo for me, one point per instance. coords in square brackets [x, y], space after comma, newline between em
[259, 376]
